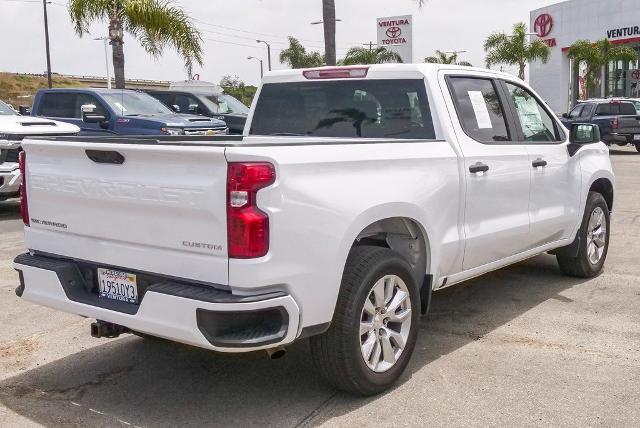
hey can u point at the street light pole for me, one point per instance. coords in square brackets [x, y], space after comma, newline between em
[268, 52]
[106, 59]
[261, 65]
[46, 41]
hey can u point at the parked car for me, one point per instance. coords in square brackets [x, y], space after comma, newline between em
[618, 121]
[120, 112]
[357, 192]
[219, 105]
[13, 129]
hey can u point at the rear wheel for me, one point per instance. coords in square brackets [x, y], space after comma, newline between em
[375, 325]
[594, 240]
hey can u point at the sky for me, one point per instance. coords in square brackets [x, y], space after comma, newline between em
[229, 29]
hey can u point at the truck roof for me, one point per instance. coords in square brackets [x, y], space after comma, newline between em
[383, 70]
[94, 90]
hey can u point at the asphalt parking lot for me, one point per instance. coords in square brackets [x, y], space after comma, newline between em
[521, 346]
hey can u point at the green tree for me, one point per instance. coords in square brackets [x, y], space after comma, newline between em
[378, 55]
[595, 56]
[296, 56]
[154, 23]
[443, 58]
[235, 87]
[515, 49]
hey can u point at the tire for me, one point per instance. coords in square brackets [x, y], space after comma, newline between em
[583, 265]
[637, 147]
[338, 353]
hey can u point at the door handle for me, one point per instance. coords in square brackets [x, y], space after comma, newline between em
[478, 167]
[539, 163]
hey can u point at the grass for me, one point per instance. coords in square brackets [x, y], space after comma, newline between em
[19, 89]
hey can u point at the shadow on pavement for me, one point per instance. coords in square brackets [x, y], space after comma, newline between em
[155, 383]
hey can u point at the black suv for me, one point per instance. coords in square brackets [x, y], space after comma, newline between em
[220, 106]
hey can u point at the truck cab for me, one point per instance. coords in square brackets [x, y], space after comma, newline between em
[120, 112]
[218, 105]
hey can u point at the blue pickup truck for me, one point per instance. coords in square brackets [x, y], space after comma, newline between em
[618, 121]
[120, 112]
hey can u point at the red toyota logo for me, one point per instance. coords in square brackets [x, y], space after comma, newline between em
[543, 25]
[393, 32]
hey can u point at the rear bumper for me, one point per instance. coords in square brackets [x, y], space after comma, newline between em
[9, 180]
[620, 138]
[194, 314]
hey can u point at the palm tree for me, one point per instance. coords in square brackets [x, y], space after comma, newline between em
[296, 56]
[595, 56]
[155, 23]
[378, 55]
[515, 49]
[329, 22]
[442, 58]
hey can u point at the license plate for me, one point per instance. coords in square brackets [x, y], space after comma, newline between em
[117, 285]
[636, 137]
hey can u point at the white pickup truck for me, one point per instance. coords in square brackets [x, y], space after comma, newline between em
[353, 194]
[13, 129]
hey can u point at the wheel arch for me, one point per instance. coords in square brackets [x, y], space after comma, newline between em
[604, 186]
[399, 226]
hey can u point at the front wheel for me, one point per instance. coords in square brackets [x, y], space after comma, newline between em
[375, 325]
[594, 240]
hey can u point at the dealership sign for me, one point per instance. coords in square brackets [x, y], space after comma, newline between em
[543, 26]
[395, 33]
[616, 33]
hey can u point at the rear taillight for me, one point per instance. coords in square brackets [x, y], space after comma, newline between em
[247, 226]
[24, 208]
[614, 123]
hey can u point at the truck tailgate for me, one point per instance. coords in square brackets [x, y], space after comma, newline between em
[162, 210]
[629, 124]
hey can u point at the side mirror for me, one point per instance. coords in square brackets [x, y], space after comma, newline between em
[565, 115]
[584, 133]
[194, 108]
[89, 116]
[175, 107]
[581, 134]
[24, 110]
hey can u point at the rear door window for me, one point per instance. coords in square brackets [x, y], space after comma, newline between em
[479, 109]
[55, 104]
[366, 108]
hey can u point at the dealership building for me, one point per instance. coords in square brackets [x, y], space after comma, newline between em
[562, 24]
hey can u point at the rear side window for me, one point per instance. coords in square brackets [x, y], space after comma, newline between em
[479, 109]
[345, 108]
[58, 105]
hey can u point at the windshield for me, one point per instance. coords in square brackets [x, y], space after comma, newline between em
[345, 108]
[6, 110]
[135, 104]
[226, 104]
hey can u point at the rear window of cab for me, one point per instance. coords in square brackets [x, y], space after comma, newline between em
[368, 108]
